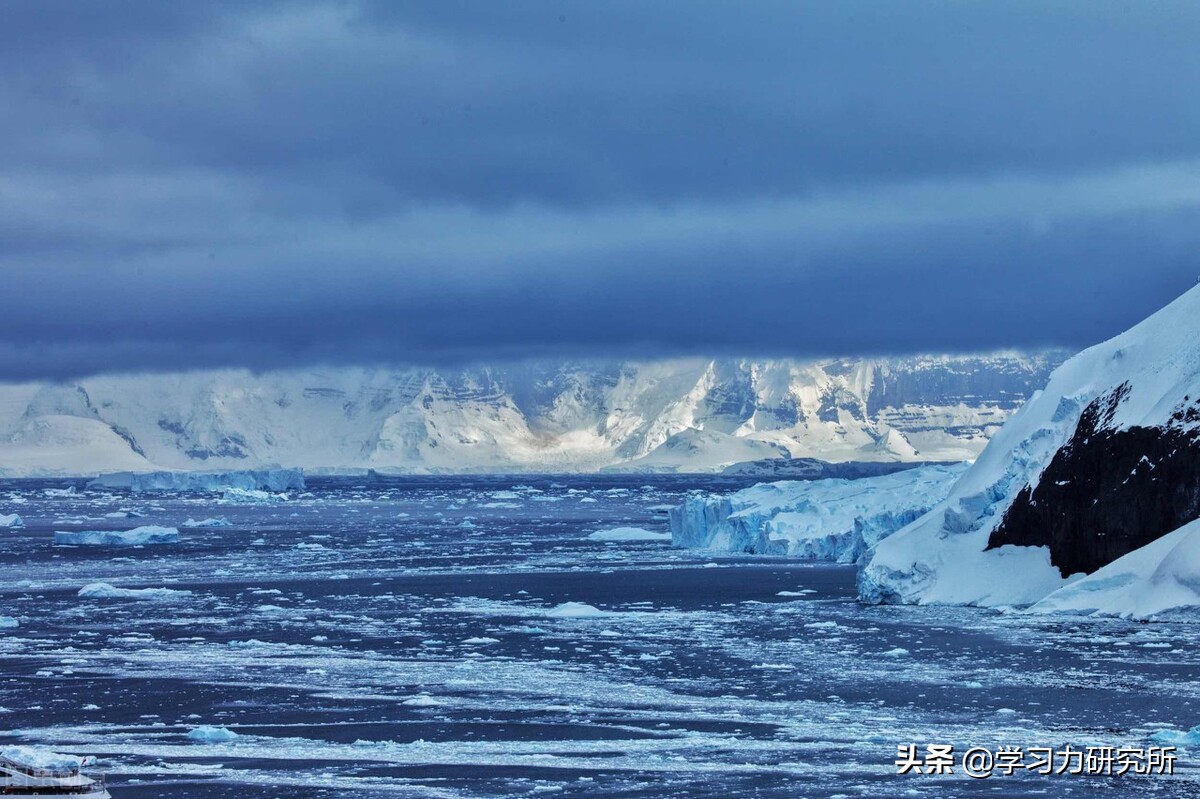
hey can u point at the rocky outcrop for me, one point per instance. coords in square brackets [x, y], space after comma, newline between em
[1108, 492]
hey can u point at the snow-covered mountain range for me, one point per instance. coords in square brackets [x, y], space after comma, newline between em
[667, 415]
[1098, 475]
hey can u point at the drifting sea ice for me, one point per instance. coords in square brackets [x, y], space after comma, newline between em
[11, 520]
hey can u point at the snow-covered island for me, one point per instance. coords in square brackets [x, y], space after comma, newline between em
[835, 519]
[1085, 501]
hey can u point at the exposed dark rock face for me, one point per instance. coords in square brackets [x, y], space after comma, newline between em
[1108, 492]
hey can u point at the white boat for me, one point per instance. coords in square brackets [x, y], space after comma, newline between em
[25, 771]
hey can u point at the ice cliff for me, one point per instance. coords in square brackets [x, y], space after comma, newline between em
[832, 519]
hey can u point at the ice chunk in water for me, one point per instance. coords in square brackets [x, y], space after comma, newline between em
[138, 536]
[212, 735]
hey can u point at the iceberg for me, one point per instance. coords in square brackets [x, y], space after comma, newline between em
[212, 735]
[834, 519]
[138, 536]
[628, 534]
[9, 623]
[248, 496]
[202, 482]
[1188, 739]
[217, 522]
[107, 591]
[575, 610]
[11, 520]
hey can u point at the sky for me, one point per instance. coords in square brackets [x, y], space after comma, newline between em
[196, 185]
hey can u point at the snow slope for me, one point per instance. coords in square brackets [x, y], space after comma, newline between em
[682, 414]
[1161, 577]
[834, 519]
[1104, 460]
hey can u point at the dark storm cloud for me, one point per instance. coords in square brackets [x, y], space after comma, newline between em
[203, 184]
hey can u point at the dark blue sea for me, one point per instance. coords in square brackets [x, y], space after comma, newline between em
[464, 637]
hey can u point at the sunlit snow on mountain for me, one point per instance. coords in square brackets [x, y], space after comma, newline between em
[665, 415]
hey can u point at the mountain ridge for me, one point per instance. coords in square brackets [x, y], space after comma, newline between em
[689, 414]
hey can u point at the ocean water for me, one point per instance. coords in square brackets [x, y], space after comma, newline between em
[408, 637]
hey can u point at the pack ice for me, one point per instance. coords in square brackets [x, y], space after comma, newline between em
[836, 519]
[138, 536]
[202, 482]
[1091, 476]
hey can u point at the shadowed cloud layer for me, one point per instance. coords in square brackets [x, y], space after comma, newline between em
[190, 185]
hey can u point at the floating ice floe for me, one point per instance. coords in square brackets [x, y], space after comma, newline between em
[203, 482]
[11, 520]
[218, 522]
[628, 534]
[9, 623]
[108, 591]
[212, 735]
[835, 519]
[138, 536]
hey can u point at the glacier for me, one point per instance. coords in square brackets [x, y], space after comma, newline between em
[832, 519]
[682, 415]
[1010, 534]
[271, 479]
